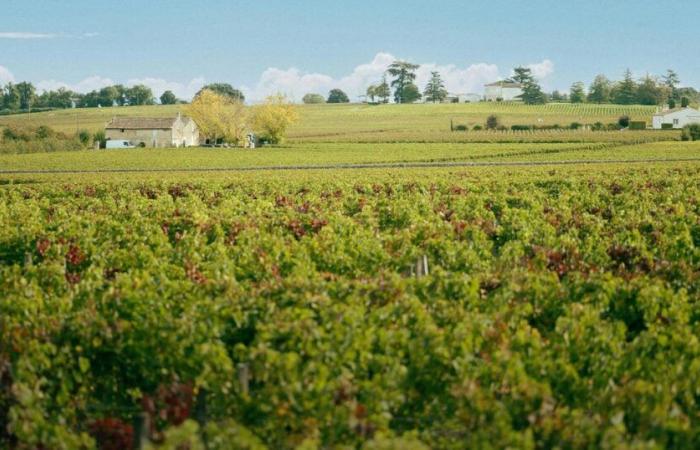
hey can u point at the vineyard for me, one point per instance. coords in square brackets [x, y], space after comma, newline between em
[553, 307]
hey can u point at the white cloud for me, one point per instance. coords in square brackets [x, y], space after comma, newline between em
[296, 83]
[158, 85]
[6, 76]
[25, 35]
[542, 69]
[459, 80]
[183, 91]
[88, 84]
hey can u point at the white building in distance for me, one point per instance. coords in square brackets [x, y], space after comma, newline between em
[676, 118]
[504, 91]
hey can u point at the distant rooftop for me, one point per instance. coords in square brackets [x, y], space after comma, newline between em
[142, 123]
[674, 110]
[506, 84]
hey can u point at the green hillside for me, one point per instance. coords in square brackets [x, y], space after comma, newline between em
[351, 121]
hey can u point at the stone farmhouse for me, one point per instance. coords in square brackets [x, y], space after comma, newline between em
[179, 131]
[676, 118]
[503, 91]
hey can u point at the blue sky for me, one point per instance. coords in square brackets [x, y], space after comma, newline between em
[302, 45]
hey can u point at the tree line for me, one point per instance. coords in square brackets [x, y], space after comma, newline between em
[17, 97]
[648, 90]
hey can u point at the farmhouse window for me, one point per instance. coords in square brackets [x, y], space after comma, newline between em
[675, 121]
[122, 130]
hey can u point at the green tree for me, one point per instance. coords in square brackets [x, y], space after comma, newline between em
[625, 92]
[600, 89]
[168, 98]
[313, 99]
[11, 97]
[140, 95]
[383, 91]
[411, 93]
[651, 92]
[61, 98]
[685, 102]
[27, 93]
[671, 80]
[435, 89]
[337, 96]
[371, 93]
[404, 74]
[224, 89]
[532, 92]
[558, 96]
[521, 75]
[577, 93]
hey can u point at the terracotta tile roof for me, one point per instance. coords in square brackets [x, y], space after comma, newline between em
[141, 123]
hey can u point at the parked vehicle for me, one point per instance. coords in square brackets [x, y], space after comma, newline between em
[119, 144]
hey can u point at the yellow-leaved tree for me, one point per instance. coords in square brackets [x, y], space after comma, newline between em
[219, 118]
[272, 118]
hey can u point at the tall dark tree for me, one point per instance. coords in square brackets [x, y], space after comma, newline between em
[577, 93]
[521, 75]
[168, 98]
[224, 89]
[532, 92]
[27, 94]
[600, 89]
[671, 80]
[404, 74]
[625, 92]
[11, 98]
[435, 89]
[337, 96]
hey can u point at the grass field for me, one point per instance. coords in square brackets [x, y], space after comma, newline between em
[355, 121]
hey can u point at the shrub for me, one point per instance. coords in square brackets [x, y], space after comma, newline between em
[502, 128]
[598, 126]
[613, 127]
[624, 121]
[492, 122]
[691, 132]
[685, 102]
[638, 125]
[522, 127]
[671, 103]
[100, 137]
[477, 128]
[461, 128]
[311, 99]
[575, 126]
[337, 96]
[84, 137]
